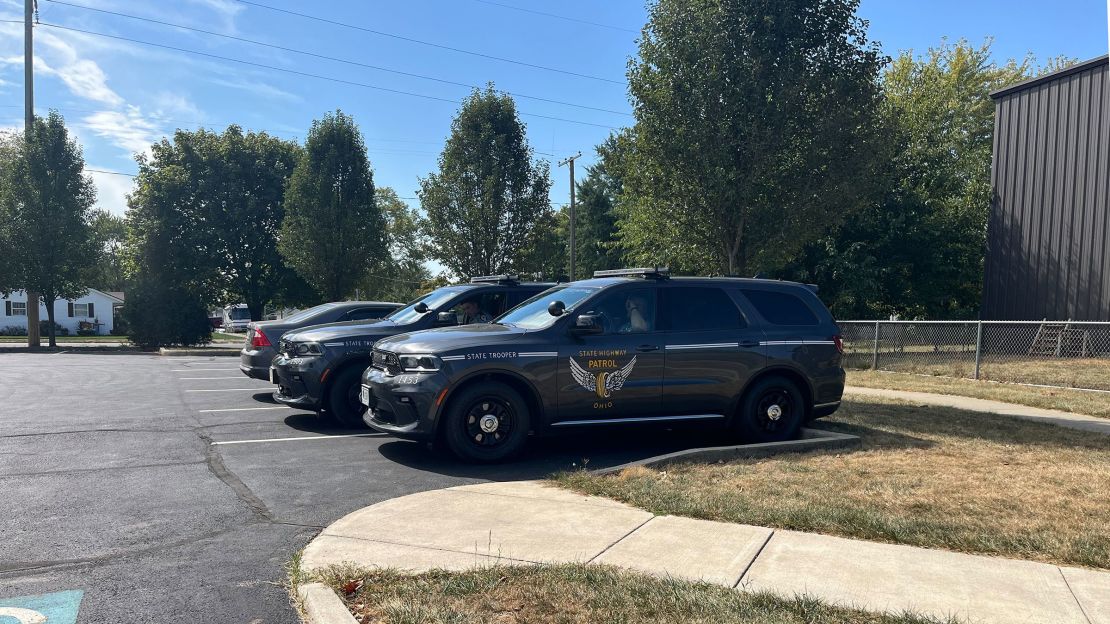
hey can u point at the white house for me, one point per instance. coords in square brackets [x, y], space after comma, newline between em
[92, 311]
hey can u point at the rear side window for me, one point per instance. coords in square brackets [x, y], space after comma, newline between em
[366, 313]
[700, 309]
[780, 308]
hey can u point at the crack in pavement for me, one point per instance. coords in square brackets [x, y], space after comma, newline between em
[217, 467]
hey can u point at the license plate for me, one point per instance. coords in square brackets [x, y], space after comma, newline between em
[273, 375]
[364, 396]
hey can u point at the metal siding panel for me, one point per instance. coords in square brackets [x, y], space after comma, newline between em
[1031, 216]
[1076, 262]
[1099, 258]
[1047, 174]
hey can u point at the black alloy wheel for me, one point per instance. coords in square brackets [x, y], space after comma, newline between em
[487, 422]
[772, 410]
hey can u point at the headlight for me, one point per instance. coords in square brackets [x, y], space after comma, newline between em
[419, 363]
[303, 349]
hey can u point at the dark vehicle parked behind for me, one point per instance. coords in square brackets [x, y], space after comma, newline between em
[319, 368]
[263, 336]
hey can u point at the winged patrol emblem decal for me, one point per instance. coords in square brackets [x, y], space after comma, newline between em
[604, 383]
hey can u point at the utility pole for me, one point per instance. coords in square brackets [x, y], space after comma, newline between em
[569, 160]
[28, 130]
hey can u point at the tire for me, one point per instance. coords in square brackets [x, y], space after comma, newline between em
[343, 404]
[758, 419]
[486, 423]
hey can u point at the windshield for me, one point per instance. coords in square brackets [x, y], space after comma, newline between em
[239, 314]
[434, 301]
[304, 315]
[533, 314]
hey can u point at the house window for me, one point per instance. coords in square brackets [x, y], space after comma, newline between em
[19, 308]
[81, 310]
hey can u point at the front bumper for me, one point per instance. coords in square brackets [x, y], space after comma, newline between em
[298, 382]
[402, 405]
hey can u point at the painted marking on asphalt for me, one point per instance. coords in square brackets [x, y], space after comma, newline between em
[229, 389]
[240, 378]
[320, 437]
[245, 409]
[203, 370]
[56, 608]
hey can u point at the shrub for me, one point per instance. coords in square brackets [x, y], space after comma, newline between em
[13, 330]
[159, 315]
[44, 329]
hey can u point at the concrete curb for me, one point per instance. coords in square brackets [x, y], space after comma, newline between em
[811, 440]
[202, 351]
[323, 606]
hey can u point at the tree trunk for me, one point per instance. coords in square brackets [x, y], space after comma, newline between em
[257, 309]
[50, 323]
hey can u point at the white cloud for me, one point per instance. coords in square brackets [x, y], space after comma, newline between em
[261, 89]
[83, 77]
[130, 130]
[111, 190]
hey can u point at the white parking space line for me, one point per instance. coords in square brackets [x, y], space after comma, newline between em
[244, 409]
[256, 389]
[239, 378]
[320, 437]
[203, 370]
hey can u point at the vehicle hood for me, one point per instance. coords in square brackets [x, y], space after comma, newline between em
[448, 339]
[344, 330]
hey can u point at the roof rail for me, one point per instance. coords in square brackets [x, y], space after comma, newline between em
[495, 279]
[646, 272]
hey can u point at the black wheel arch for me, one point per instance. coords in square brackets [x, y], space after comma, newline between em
[776, 370]
[335, 370]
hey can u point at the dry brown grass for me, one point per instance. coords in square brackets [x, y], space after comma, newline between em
[571, 594]
[1093, 373]
[925, 476]
[1077, 401]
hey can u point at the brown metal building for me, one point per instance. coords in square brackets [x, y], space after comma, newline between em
[1048, 235]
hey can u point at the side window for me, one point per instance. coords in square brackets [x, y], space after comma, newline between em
[359, 314]
[780, 308]
[700, 309]
[481, 308]
[627, 311]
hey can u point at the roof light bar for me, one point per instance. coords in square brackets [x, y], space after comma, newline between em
[494, 279]
[647, 272]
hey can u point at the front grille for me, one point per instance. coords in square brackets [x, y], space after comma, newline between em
[386, 361]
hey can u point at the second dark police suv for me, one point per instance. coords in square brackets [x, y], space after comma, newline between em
[318, 368]
[630, 346]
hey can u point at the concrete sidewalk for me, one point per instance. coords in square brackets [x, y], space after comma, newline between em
[531, 522]
[1052, 417]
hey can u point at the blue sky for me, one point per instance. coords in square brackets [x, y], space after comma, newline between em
[119, 96]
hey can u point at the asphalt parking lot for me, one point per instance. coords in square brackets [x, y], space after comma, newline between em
[175, 490]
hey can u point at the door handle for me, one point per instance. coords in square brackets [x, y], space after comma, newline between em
[749, 343]
[647, 347]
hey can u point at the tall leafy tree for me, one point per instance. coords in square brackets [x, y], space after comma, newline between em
[484, 203]
[755, 125]
[333, 229]
[400, 275]
[919, 251]
[596, 216]
[110, 234]
[9, 252]
[48, 203]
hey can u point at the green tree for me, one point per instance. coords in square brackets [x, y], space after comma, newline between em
[484, 203]
[110, 234]
[545, 252]
[596, 237]
[755, 130]
[48, 204]
[400, 275]
[9, 253]
[919, 251]
[333, 229]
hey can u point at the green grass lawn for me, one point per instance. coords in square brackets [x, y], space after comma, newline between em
[571, 594]
[925, 476]
[222, 339]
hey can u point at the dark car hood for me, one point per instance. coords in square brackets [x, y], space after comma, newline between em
[346, 329]
[448, 339]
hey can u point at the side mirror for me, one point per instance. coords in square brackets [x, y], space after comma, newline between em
[447, 318]
[556, 308]
[421, 307]
[587, 324]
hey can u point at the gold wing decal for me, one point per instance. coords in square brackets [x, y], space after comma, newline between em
[616, 379]
[584, 379]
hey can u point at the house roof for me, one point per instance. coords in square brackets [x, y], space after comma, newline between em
[109, 295]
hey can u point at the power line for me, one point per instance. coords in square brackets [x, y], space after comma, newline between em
[306, 74]
[334, 58]
[119, 173]
[427, 43]
[562, 17]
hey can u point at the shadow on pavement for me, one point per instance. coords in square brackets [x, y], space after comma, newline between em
[544, 456]
[312, 423]
[265, 397]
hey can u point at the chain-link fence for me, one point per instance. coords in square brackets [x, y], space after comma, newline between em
[1052, 353]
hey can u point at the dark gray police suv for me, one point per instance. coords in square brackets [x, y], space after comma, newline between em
[760, 357]
[262, 336]
[318, 368]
